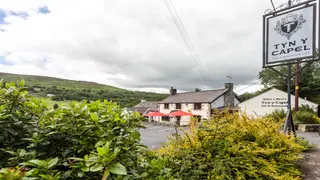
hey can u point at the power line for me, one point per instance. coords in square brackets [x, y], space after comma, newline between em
[184, 36]
[197, 60]
[248, 86]
[186, 39]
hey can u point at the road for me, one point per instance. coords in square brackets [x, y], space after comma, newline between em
[312, 137]
[154, 135]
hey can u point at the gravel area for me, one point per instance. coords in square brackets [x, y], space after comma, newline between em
[310, 164]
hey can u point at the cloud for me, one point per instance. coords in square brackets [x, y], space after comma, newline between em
[134, 44]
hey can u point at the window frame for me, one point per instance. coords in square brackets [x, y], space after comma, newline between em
[166, 105]
[195, 105]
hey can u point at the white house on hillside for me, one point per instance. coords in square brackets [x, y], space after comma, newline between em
[200, 103]
[269, 101]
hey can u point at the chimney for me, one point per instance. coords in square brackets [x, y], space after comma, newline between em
[173, 91]
[229, 95]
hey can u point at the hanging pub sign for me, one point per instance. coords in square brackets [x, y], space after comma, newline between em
[289, 35]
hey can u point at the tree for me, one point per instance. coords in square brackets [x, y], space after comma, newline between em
[309, 84]
[247, 95]
[197, 89]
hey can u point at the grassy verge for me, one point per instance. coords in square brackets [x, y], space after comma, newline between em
[50, 102]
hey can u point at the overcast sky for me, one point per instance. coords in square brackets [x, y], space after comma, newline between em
[134, 44]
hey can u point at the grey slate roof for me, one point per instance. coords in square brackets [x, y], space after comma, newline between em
[144, 106]
[195, 97]
[140, 110]
[149, 104]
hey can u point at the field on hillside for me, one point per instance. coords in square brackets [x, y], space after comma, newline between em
[50, 103]
[62, 91]
[31, 80]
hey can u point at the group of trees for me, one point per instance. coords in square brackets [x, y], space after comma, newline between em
[124, 98]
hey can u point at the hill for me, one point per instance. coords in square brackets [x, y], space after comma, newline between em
[61, 91]
[44, 81]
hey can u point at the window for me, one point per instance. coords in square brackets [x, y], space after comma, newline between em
[165, 118]
[197, 106]
[178, 106]
[166, 106]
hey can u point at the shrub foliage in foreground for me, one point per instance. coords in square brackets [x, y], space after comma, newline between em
[87, 140]
[99, 140]
[233, 147]
[19, 117]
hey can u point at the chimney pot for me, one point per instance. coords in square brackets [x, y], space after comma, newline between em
[173, 91]
[228, 86]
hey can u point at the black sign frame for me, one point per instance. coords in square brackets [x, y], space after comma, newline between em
[266, 17]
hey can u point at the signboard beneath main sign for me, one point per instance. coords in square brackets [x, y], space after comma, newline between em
[290, 35]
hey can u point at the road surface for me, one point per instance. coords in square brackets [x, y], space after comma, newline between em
[154, 135]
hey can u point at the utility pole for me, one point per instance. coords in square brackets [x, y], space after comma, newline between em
[296, 102]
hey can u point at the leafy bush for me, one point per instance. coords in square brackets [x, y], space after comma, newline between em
[233, 147]
[279, 115]
[306, 108]
[305, 117]
[19, 117]
[81, 130]
[50, 143]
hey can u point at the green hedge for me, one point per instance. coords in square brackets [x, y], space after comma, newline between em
[86, 140]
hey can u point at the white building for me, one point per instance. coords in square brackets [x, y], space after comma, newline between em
[269, 101]
[199, 103]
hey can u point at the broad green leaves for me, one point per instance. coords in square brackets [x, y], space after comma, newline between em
[96, 167]
[52, 162]
[88, 140]
[19, 118]
[103, 159]
[118, 168]
[94, 117]
[21, 83]
[43, 164]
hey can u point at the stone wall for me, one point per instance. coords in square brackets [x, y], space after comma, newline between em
[308, 127]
